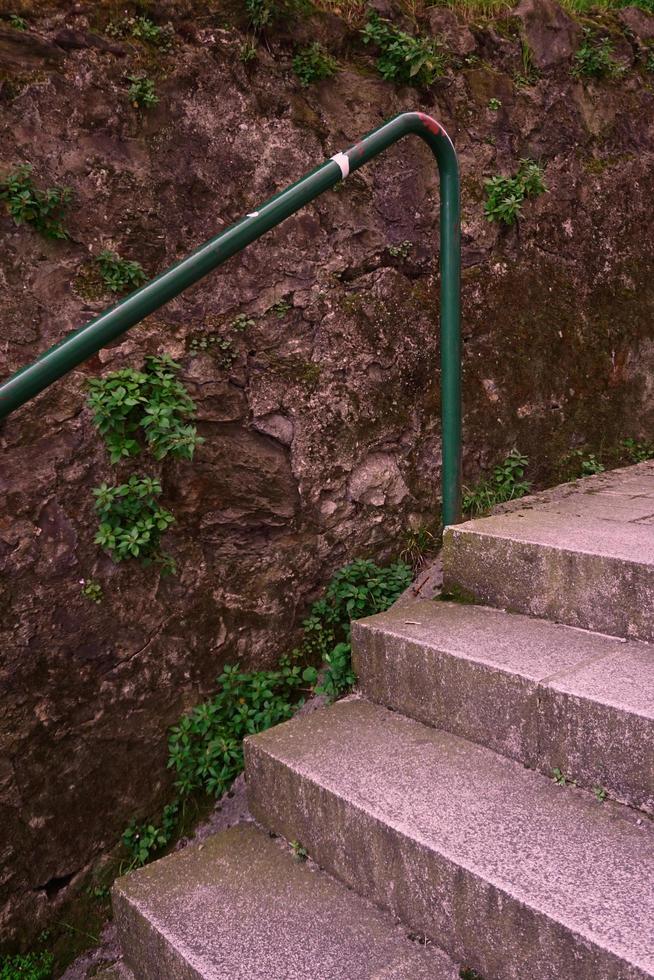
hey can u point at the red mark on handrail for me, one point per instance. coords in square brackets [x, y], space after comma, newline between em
[431, 124]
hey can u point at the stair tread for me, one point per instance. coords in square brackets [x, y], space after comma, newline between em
[240, 907]
[585, 865]
[588, 665]
[551, 527]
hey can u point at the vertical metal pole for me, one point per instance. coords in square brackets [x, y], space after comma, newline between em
[450, 332]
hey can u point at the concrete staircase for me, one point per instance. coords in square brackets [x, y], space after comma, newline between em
[430, 793]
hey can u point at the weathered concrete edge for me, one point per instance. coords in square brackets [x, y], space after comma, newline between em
[609, 595]
[430, 893]
[526, 713]
[147, 951]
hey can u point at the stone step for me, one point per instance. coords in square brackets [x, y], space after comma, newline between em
[547, 695]
[241, 907]
[581, 555]
[509, 873]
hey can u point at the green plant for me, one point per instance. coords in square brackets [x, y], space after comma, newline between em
[144, 29]
[465, 973]
[141, 92]
[599, 793]
[589, 464]
[418, 544]
[359, 589]
[404, 57]
[212, 343]
[145, 840]
[119, 275]
[505, 195]
[92, 590]
[29, 966]
[505, 483]
[637, 452]
[313, 64]
[132, 521]
[242, 322]
[281, 308]
[400, 251]
[529, 74]
[494, 104]
[26, 204]
[262, 13]
[151, 403]
[18, 23]
[594, 58]
[560, 778]
[248, 51]
[299, 853]
[206, 748]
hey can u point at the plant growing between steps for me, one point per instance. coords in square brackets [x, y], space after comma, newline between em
[637, 452]
[28, 966]
[506, 483]
[404, 57]
[143, 842]
[357, 590]
[506, 195]
[205, 749]
[43, 210]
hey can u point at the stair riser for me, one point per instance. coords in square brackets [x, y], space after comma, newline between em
[474, 921]
[592, 743]
[604, 594]
[146, 951]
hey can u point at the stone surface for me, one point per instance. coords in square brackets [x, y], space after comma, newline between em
[241, 907]
[348, 374]
[640, 24]
[584, 556]
[552, 35]
[510, 873]
[544, 694]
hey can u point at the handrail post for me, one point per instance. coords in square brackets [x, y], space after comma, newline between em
[113, 322]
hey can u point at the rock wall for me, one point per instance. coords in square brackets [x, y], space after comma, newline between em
[321, 418]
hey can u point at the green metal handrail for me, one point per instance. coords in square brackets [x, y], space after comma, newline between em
[113, 322]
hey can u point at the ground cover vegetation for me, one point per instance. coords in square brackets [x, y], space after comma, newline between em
[205, 749]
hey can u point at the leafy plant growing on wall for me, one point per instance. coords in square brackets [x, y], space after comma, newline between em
[404, 57]
[506, 483]
[149, 407]
[265, 13]
[141, 92]
[505, 195]
[313, 64]
[132, 521]
[594, 58]
[143, 29]
[26, 204]
[119, 275]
